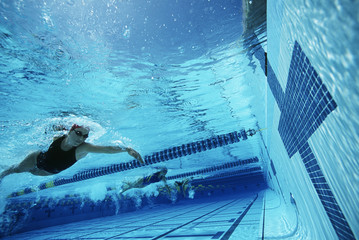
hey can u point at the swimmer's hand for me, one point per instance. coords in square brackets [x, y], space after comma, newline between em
[135, 154]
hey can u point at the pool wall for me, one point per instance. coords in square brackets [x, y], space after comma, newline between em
[310, 146]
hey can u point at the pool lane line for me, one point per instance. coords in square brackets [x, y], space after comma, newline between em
[176, 228]
[230, 231]
[171, 217]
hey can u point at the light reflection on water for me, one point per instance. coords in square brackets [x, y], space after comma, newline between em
[158, 81]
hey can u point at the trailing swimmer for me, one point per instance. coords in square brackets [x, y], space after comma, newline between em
[147, 180]
[64, 152]
[180, 187]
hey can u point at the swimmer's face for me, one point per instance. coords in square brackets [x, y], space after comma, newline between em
[79, 135]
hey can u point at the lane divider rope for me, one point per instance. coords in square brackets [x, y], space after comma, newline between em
[157, 157]
[254, 171]
[221, 167]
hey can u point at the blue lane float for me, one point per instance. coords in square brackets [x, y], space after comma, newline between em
[199, 146]
[157, 157]
[221, 167]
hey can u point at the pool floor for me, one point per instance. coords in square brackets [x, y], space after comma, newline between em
[227, 217]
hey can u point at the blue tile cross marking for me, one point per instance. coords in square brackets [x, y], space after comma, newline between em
[306, 103]
[304, 106]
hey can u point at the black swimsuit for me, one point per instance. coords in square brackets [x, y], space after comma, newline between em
[55, 159]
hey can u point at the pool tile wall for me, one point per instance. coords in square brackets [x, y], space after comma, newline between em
[304, 105]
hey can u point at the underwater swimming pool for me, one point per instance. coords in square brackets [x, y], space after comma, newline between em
[247, 127]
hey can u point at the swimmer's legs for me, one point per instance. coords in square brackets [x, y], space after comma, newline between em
[27, 165]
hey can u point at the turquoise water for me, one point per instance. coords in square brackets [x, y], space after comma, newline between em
[131, 71]
[145, 74]
[153, 75]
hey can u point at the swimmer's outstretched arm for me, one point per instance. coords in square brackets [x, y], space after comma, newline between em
[91, 148]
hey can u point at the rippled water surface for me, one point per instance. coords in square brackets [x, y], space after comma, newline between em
[149, 74]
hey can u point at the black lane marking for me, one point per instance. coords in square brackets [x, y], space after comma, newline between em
[236, 223]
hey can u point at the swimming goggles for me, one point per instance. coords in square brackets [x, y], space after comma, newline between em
[80, 134]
